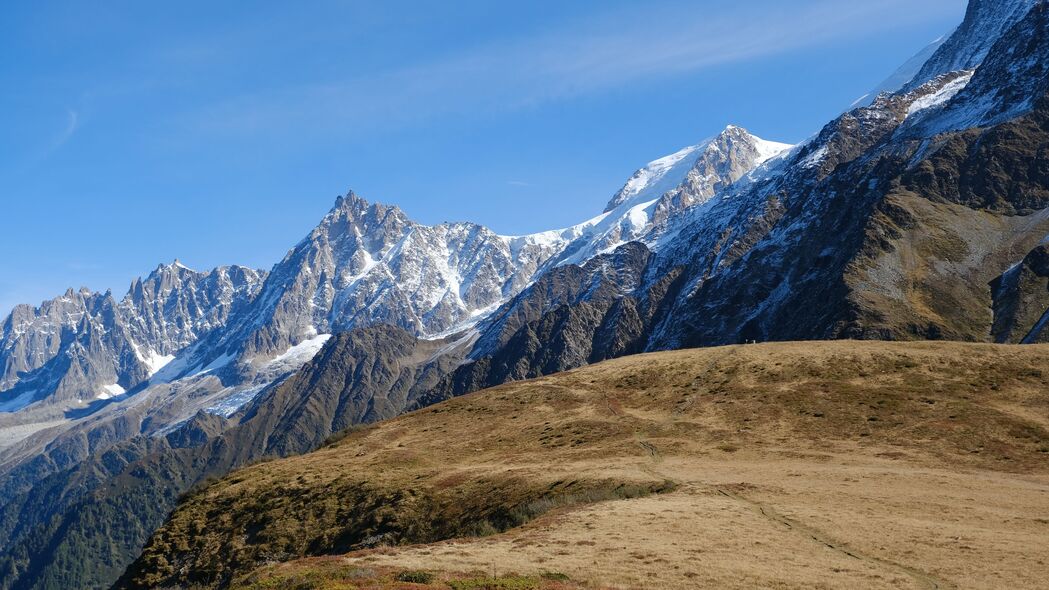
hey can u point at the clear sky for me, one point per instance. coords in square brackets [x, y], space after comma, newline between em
[132, 133]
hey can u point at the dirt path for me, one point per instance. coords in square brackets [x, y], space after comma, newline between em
[923, 579]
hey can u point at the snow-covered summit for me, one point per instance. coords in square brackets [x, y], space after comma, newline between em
[666, 187]
[708, 166]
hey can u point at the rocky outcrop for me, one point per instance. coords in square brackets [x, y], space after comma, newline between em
[1021, 300]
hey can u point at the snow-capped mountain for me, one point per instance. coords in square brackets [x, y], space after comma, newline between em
[175, 305]
[85, 346]
[698, 171]
[363, 264]
[369, 263]
[662, 189]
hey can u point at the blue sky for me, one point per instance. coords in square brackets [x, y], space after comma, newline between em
[135, 133]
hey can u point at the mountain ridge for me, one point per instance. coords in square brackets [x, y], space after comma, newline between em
[367, 263]
[157, 317]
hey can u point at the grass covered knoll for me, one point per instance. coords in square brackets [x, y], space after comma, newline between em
[863, 464]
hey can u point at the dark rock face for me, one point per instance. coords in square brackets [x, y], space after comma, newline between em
[1021, 300]
[1003, 169]
[878, 232]
[570, 317]
[362, 376]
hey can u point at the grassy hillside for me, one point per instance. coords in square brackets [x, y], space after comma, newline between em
[861, 464]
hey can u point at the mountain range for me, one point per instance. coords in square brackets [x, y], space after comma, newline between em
[922, 214]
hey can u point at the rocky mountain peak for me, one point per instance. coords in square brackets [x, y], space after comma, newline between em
[354, 206]
[698, 171]
[354, 224]
[171, 273]
[368, 263]
[736, 133]
[729, 156]
[967, 47]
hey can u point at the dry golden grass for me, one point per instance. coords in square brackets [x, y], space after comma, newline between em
[836, 464]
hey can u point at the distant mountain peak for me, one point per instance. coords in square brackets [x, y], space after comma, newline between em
[707, 167]
[115, 341]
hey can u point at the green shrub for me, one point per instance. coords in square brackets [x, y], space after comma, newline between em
[500, 583]
[415, 577]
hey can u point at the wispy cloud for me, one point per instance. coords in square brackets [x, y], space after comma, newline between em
[72, 123]
[52, 135]
[518, 183]
[617, 50]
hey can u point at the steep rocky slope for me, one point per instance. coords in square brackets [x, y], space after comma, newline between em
[93, 517]
[885, 226]
[984, 23]
[688, 424]
[1021, 299]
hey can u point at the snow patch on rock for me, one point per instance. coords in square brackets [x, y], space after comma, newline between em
[941, 96]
